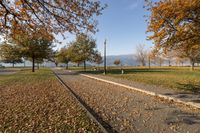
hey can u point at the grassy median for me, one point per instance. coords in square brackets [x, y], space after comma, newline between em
[36, 102]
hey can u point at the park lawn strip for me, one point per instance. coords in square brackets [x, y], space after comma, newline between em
[176, 79]
[37, 102]
[165, 77]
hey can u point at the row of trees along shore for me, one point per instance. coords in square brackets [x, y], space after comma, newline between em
[147, 57]
[79, 51]
[37, 49]
[28, 27]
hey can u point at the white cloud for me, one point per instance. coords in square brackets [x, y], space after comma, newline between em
[134, 4]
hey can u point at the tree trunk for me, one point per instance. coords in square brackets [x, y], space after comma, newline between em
[192, 61]
[84, 65]
[169, 63]
[33, 64]
[149, 63]
[192, 66]
[67, 65]
[38, 67]
[77, 64]
[13, 64]
[24, 64]
[143, 63]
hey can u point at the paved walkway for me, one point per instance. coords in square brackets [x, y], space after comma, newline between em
[127, 111]
[7, 72]
[185, 96]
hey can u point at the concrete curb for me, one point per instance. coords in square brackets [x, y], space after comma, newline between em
[191, 104]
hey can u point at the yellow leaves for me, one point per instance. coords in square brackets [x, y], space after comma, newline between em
[196, 46]
[174, 21]
[22, 11]
[57, 15]
[18, 2]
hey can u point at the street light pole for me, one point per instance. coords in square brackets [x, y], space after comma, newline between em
[105, 57]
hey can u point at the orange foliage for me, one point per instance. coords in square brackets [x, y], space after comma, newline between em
[175, 25]
[54, 15]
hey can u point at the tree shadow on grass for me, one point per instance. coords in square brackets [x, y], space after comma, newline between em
[67, 73]
[189, 87]
[92, 72]
[132, 71]
[196, 101]
[126, 71]
[146, 70]
[180, 117]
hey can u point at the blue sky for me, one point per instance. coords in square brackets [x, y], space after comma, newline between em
[123, 25]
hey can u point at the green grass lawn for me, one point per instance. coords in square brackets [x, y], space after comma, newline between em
[21, 75]
[37, 102]
[171, 77]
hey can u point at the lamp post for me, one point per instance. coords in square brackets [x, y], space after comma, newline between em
[105, 57]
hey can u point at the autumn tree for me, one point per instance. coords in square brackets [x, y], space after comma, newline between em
[26, 18]
[169, 56]
[10, 53]
[175, 25]
[155, 58]
[37, 50]
[98, 58]
[151, 57]
[74, 56]
[117, 62]
[36, 46]
[198, 59]
[57, 16]
[39, 61]
[141, 54]
[160, 60]
[82, 49]
[53, 57]
[63, 56]
[180, 60]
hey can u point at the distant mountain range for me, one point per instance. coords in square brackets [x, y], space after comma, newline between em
[126, 60]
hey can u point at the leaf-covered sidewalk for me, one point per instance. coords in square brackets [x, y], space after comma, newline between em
[130, 111]
[185, 96]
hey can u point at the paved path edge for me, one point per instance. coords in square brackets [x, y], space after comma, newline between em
[89, 114]
[191, 104]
